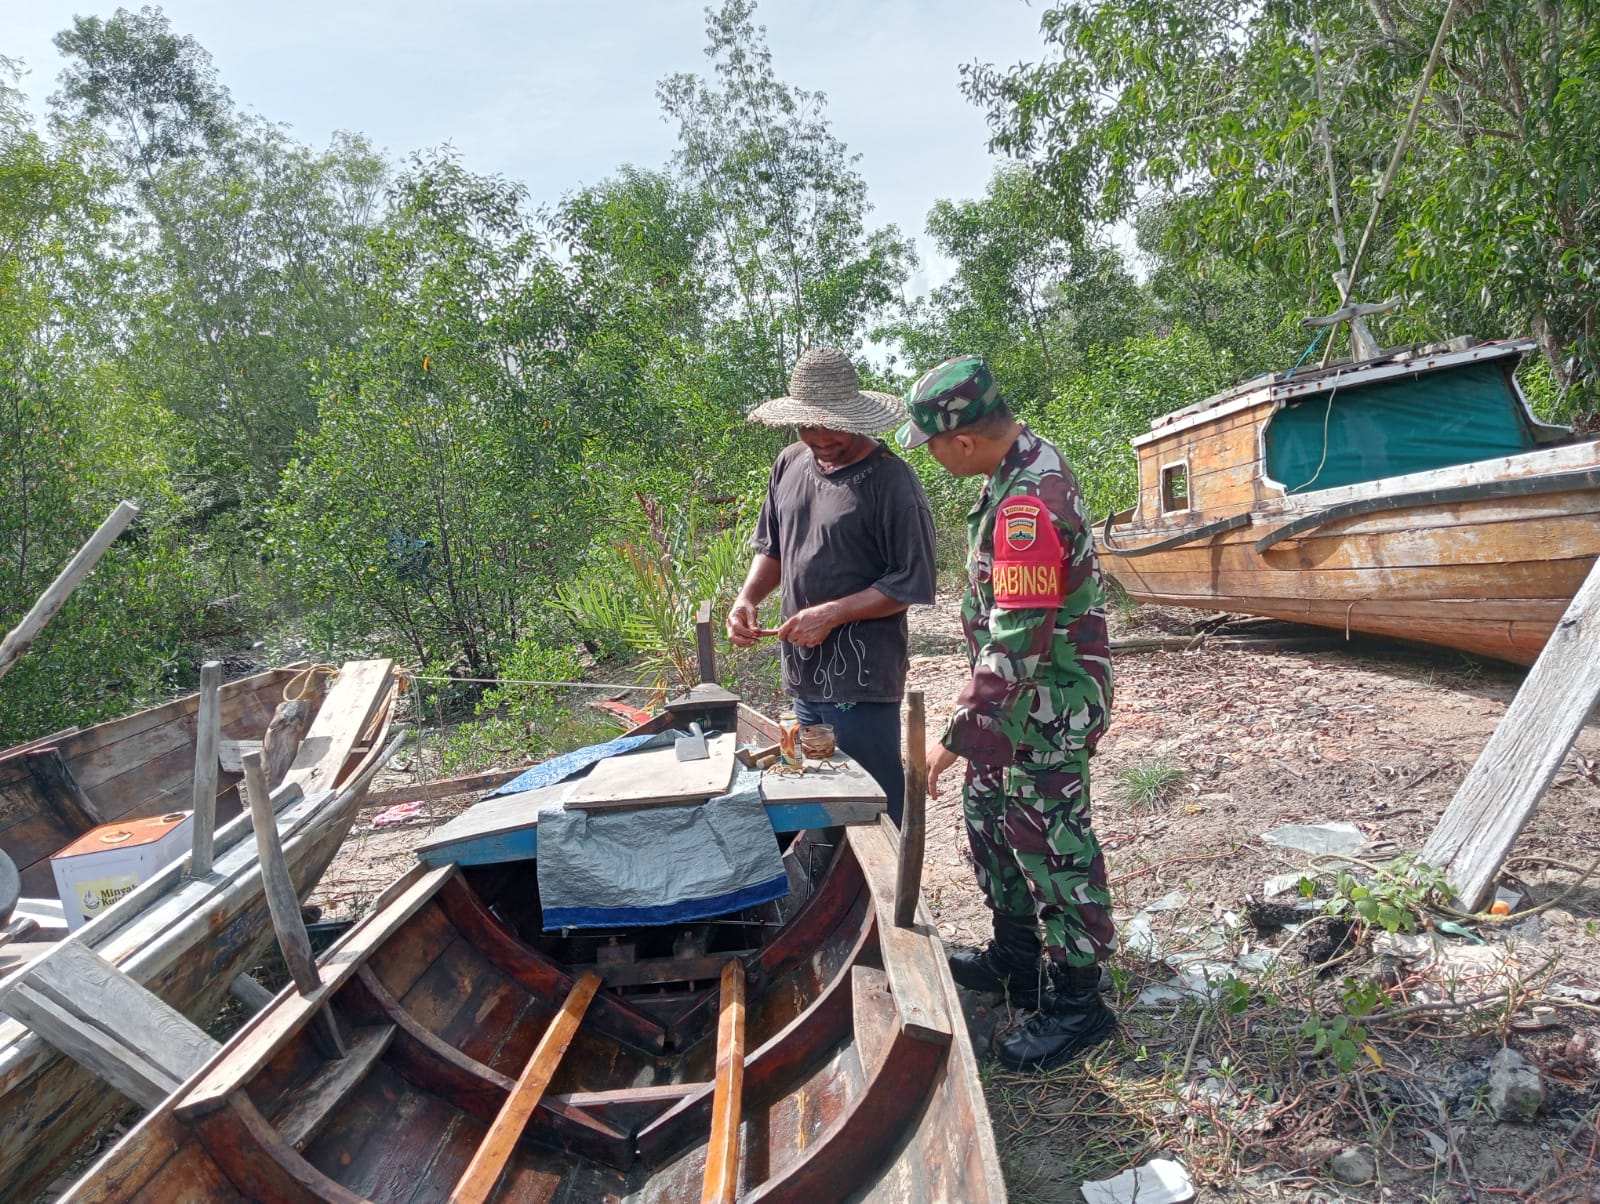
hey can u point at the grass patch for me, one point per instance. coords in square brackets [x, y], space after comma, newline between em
[1150, 783]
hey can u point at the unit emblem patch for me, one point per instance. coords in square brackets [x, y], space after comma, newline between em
[1028, 570]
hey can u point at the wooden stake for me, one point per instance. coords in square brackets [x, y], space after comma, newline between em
[727, 1101]
[22, 637]
[487, 1165]
[908, 880]
[284, 904]
[703, 645]
[208, 730]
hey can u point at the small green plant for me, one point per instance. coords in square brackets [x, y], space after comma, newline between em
[1394, 897]
[1150, 783]
[1340, 1037]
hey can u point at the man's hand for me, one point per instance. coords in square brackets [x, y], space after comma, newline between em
[809, 627]
[941, 760]
[743, 623]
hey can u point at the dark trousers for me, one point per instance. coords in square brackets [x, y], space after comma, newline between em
[869, 732]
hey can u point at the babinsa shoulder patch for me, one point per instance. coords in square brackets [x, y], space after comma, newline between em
[1027, 570]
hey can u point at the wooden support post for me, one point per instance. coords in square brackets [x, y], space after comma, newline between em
[702, 641]
[908, 879]
[1482, 822]
[727, 1102]
[280, 743]
[18, 642]
[284, 904]
[483, 1172]
[250, 992]
[208, 730]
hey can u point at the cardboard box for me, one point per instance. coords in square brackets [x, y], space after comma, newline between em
[107, 862]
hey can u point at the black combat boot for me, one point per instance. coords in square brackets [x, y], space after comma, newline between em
[1071, 1019]
[1009, 964]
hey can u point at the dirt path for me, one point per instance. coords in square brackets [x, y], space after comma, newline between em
[1232, 1081]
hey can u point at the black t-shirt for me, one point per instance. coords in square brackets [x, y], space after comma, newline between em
[837, 533]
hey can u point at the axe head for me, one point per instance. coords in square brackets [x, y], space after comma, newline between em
[693, 746]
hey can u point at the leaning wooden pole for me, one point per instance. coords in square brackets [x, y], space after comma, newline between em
[908, 885]
[208, 724]
[22, 636]
[1477, 830]
[284, 904]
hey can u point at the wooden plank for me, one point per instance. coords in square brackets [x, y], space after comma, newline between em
[441, 788]
[90, 987]
[910, 958]
[843, 781]
[315, 1102]
[22, 636]
[140, 1079]
[908, 871]
[1482, 822]
[654, 777]
[230, 753]
[721, 1181]
[252, 1049]
[344, 715]
[208, 729]
[477, 1182]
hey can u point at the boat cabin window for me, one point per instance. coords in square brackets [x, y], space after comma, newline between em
[1174, 488]
[1401, 424]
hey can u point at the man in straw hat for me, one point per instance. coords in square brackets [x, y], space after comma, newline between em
[1029, 718]
[846, 532]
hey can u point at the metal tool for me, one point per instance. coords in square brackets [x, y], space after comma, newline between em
[693, 746]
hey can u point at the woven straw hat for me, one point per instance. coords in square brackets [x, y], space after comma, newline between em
[825, 391]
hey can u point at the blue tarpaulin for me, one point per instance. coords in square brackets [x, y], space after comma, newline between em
[655, 865]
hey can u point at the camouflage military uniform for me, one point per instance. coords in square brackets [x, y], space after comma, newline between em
[1027, 722]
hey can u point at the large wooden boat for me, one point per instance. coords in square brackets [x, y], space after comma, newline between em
[1411, 495]
[182, 938]
[806, 1050]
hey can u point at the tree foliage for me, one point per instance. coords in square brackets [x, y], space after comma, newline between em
[1216, 111]
[796, 262]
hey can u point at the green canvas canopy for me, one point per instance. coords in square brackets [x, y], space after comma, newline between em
[1404, 424]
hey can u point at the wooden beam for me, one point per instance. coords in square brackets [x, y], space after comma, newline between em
[250, 992]
[908, 876]
[208, 730]
[722, 1154]
[705, 649]
[441, 788]
[483, 1172]
[98, 1016]
[284, 904]
[23, 635]
[1482, 822]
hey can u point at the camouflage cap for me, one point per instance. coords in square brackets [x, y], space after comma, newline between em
[952, 394]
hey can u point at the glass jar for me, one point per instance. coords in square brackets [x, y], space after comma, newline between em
[789, 739]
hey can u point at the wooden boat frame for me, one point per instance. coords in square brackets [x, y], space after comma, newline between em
[859, 1081]
[182, 938]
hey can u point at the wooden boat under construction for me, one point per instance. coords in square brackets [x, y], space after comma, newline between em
[180, 937]
[805, 1050]
[1411, 495]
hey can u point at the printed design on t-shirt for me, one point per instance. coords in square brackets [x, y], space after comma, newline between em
[837, 663]
[1027, 556]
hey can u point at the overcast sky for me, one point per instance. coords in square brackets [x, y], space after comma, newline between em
[560, 93]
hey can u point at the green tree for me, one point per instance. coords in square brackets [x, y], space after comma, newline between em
[66, 459]
[446, 492]
[796, 262]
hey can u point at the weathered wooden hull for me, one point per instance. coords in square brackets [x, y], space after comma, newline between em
[859, 1080]
[1483, 557]
[183, 939]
